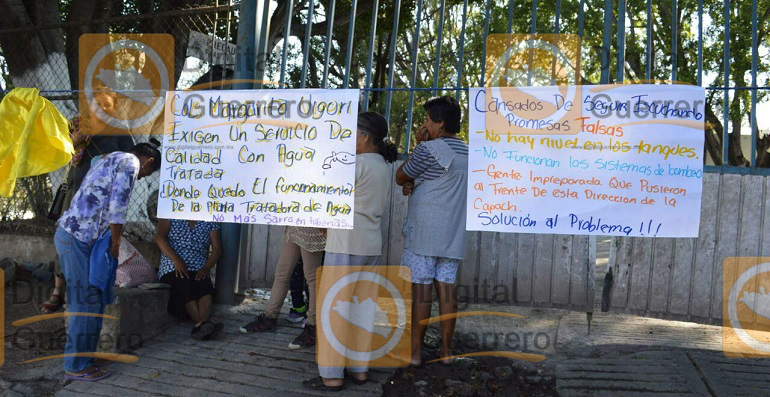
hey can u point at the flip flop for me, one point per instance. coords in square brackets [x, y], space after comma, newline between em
[84, 377]
[318, 384]
[349, 376]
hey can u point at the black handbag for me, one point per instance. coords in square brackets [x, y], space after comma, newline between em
[58, 202]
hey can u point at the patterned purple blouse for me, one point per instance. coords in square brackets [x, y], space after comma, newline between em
[102, 198]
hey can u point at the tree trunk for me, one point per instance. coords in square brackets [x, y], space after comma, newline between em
[85, 11]
[34, 56]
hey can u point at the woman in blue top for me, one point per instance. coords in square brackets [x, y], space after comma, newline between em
[185, 264]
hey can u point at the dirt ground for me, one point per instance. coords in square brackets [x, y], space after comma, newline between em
[29, 342]
[469, 376]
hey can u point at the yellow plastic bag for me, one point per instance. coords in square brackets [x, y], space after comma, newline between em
[34, 138]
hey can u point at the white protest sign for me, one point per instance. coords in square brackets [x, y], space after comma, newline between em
[284, 157]
[634, 167]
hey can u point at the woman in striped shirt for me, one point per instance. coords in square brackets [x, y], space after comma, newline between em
[435, 177]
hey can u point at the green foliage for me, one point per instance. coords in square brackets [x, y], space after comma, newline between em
[445, 75]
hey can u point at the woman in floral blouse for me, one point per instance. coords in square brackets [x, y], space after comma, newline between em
[100, 204]
[91, 138]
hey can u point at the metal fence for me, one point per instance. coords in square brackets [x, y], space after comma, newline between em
[401, 52]
[194, 28]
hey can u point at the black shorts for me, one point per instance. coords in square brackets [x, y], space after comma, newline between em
[184, 290]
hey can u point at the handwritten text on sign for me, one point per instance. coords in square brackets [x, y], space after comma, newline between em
[282, 157]
[634, 168]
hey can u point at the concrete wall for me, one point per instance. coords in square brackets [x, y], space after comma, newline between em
[526, 269]
[682, 278]
[26, 249]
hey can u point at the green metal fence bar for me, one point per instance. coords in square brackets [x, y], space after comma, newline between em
[581, 18]
[605, 65]
[648, 50]
[261, 56]
[674, 36]
[438, 44]
[462, 51]
[556, 30]
[213, 44]
[700, 42]
[754, 57]
[413, 81]
[728, 169]
[306, 44]
[391, 63]
[328, 45]
[286, 41]
[484, 45]
[726, 115]
[621, 41]
[372, 34]
[349, 55]
[533, 30]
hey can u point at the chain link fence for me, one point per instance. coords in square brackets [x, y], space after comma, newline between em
[41, 51]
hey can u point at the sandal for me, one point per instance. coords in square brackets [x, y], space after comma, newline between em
[48, 307]
[88, 375]
[203, 331]
[349, 376]
[318, 384]
[414, 366]
[101, 362]
[218, 327]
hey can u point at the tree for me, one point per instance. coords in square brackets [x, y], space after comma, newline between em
[39, 47]
[39, 41]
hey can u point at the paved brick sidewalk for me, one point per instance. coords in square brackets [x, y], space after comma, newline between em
[624, 355]
[627, 355]
[175, 364]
